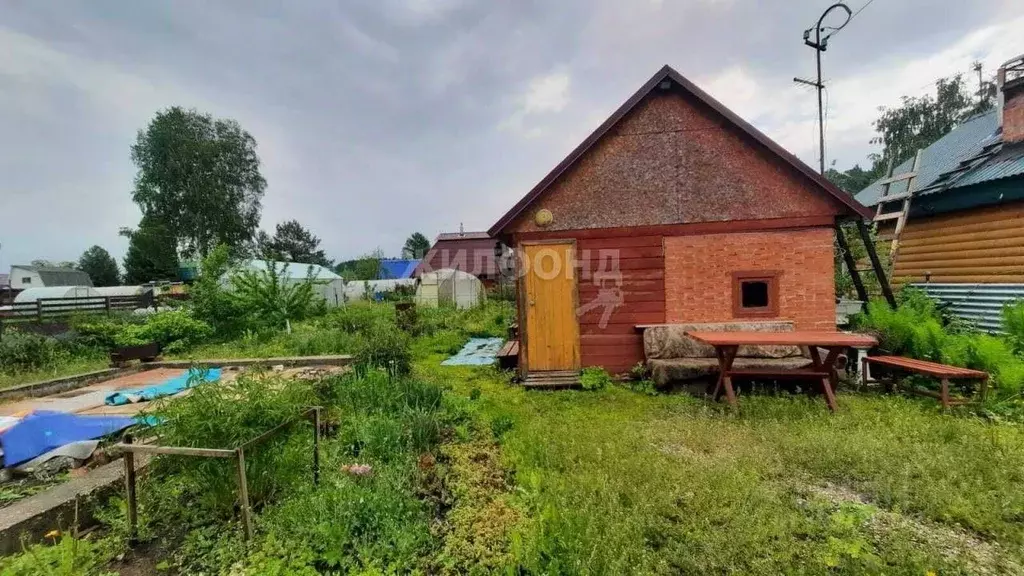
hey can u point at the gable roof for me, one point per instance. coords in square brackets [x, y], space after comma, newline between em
[943, 163]
[51, 276]
[681, 83]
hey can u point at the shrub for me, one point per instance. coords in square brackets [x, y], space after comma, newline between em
[594, 378]
[269, 299]
[175, 330]
[1013, 325]
[384, 346]
[917, 329]
[23, 351]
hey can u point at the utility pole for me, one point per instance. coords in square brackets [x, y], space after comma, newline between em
[820, 44]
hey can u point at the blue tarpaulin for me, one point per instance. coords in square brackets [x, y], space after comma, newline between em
[396, 269]
[43, 431]
[168, 388]
[476, 352]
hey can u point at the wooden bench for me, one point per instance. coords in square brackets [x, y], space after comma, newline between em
[943, 372]
[508, 356]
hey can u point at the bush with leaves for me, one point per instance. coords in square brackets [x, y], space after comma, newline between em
[174, 330]
[211, 301]
[1013, 325]
[594, 378]
[270, 299]
[24, 351]
[918, 329]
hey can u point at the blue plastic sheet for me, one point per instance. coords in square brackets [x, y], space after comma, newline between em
[43, 431]
[169, 387]
[476, 352]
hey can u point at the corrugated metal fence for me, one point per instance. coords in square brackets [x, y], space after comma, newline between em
[981, 304]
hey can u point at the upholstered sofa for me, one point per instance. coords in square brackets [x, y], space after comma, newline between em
[674, 357]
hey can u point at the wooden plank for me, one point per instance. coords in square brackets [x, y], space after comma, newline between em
[1013, 251]
[176, 450]
[970, 279]
[596, 330]
[695, 228]
[939, 246]
[611, 339]
[629, 318]
[926, 367]
[795, 338]
[623, 253]
[1015, 269]
[588, 292]
[626, 264]
[597, 243]
[626, 308]
[897, 178]
[966, 237]
[951, 263]
[888, 216]
[1012, 223]
[987, 214]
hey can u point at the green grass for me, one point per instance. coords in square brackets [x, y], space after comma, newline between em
[617, 482]
[70, 368]
[473, 475]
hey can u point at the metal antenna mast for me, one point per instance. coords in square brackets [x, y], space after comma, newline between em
[820, 44]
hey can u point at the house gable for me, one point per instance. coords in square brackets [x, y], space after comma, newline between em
[673, 155]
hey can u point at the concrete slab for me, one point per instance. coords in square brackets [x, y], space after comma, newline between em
[54, 509]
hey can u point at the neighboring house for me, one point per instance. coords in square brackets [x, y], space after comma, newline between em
[674, 210]
[471, 252]
[396, 269]
[964, 236]
[5, 281]
[25, 277]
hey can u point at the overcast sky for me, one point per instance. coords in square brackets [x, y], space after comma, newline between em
[377, 118]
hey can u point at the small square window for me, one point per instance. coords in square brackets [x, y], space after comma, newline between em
[755, 294]
[26, 280]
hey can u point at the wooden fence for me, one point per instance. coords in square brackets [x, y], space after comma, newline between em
[49, 308]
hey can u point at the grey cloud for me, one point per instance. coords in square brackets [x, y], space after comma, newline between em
[378, 118]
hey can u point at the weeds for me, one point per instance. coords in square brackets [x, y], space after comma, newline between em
[594, 378]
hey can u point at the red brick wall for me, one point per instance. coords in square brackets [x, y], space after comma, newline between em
[1013, 115]
[698, 274]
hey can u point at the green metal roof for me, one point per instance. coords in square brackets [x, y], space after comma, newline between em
[945, 155]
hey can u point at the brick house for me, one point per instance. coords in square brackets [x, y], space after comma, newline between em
[673, 210]
[471, 252]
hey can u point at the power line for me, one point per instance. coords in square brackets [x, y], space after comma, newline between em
[852, 16]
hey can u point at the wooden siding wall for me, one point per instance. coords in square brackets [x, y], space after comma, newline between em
[618, 346]
[984, 245]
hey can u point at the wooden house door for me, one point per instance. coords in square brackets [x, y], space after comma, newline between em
[552, 329]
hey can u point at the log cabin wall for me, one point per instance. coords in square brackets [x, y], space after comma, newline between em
[981, 245]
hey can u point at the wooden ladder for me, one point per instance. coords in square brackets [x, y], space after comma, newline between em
[900, 215]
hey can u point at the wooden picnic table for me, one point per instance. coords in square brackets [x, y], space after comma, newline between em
[726, 345]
